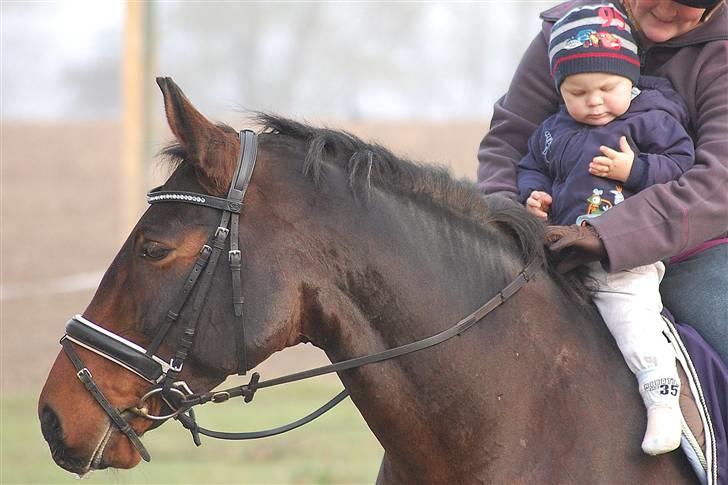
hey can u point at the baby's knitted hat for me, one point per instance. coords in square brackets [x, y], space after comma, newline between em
[595, 38]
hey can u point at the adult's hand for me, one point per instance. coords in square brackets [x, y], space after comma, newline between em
[576, 245]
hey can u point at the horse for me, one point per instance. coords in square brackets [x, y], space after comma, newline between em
[343, 245]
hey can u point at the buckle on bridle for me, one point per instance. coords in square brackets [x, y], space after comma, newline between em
[84, 372]
[222, 231]
[175, 365]
[234, 257]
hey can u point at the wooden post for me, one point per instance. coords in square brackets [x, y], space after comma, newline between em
[137, 78]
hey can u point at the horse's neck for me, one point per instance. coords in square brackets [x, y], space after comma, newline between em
[408, 273]
[426, 275]
[532, 357]
[523, 377]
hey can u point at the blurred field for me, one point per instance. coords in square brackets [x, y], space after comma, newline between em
[60, 215]
[337, 448]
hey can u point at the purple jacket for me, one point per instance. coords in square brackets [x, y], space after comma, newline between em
[560, 150]
[664, 219]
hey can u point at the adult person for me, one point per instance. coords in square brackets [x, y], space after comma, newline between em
[685, 41]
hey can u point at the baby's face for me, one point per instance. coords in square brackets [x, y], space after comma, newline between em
[596, 98]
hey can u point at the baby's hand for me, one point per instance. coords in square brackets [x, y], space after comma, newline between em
[613, 165]
[539, 203]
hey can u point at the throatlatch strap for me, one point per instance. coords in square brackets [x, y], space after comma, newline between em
[85, 376]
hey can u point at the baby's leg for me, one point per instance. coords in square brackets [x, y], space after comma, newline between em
[629, 302]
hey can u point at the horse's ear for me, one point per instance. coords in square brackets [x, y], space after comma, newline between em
[209, 147]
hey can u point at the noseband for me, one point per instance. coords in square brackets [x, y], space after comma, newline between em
[163, 375]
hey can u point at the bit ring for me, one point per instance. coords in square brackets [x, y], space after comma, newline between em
[141, 410]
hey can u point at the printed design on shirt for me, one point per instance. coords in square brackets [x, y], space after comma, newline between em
[618, 195]
[593, 38]
[547, 140]
[597, 204]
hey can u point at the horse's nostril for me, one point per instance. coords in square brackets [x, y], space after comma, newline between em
[50, 425]
[52, 430]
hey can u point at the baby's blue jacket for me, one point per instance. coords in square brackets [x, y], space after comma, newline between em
[561, 149]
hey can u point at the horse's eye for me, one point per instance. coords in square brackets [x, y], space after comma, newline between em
[154, 251]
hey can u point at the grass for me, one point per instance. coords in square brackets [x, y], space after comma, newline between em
[336, 448]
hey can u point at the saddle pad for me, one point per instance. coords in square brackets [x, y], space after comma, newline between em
[704, 404]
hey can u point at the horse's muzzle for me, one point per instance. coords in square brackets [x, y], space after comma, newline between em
[52, 430]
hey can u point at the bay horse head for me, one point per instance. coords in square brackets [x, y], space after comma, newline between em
[164, 286]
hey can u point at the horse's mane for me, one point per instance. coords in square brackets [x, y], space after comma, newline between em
[372, 165]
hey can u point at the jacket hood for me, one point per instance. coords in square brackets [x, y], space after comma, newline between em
[658, 93]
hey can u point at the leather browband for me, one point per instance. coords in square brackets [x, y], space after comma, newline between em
[159, 195]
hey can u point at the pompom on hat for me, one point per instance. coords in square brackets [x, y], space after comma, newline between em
[595, 38]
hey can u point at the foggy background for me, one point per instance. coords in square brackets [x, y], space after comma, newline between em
[338, 60]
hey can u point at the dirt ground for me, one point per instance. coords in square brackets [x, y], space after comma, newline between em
[61, 223]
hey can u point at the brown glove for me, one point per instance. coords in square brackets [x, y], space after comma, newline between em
[575, 245]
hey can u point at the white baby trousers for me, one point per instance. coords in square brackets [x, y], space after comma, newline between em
[629, 302]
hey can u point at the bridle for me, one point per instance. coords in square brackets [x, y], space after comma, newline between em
[163, 375]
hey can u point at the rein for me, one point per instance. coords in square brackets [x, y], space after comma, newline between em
[163, 375]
